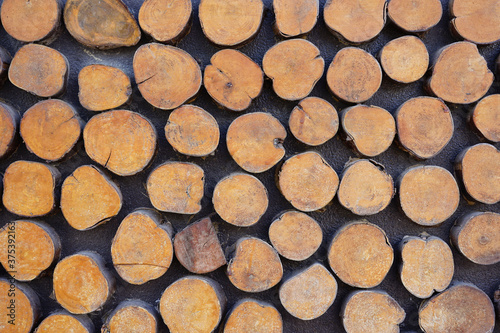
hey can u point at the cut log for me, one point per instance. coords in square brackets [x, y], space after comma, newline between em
[192, 131]
[461, 308]
[295, 235]
[478, 169]
[142, 247]
[21, 307]
[9, 121]
[166, 76]
[356, 21]
[360, 254]
[307, 181]
[82, 284]
[131, 316]
[39, 70]
[486, 118]
[233, 79]
[250, 315]
[28, 188]
[5, 60]
[198, 249]
[309, 293]
[29, 248]
[230, 22]
[50, 129]
[415, 15]
[166, 21]
[460, 74]
[295, 18]
[477, 22]
[255, 266]
[254, 141]
[427, 265]
[476, 236]
[176, 187]
[314, 121]
[295, 66]
[31, 21]
[428, 194]
[240, 199]
[122, 141]
[424, 126]
[103, 87]
[369, 129]
[192, 304]
[354, 75]
[62, 321]
[370, 311]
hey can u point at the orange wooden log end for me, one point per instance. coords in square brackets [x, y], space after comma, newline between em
[165, 21]
[415, 15]
[486, 117]
[62, 321]
[253, 316]
[477, 22]
[295, 18]
[9, 121]
[131, 316]
[21, 317]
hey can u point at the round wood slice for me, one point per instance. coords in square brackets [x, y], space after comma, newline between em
[478, 167]
[81, 282]
[460, 74]
[240, 199]
[476, 236]
[295, 18]
[166, 21]
[307, 181]
[405, 59]
[192, 131]
[415, 15]
[20, 306]
[360, 254]
[233, 79]
[250, 315]
[314, 121]
[477, 22]
[5, 60]
[166, 76]
[295, 66]
[427, 265]
[62, 321]
[39, 70]
[122, 141]
[230, 22]
[33, 247]
[354, 75]
[428, 194]
[486, 117]
[28, 188]
[142, 247]
[309, 293]
[131, 316]
[295, 235]
[424, 125]
[254, 141]
[9, 121]
[176, 187]
[356, 21]
[192, 304]
[461, 308]
[50, 129]
[255, 266]
[370, 311]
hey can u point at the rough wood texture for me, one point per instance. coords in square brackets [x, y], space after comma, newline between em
[255, 266]
[295, 235]
[485, 118]
[415, 15]
[122, 141]
[461, 308]
[39, 70]
[405, 59]
[9, 121]
[314, 121]
[308, 294]
[460, 74]
[240, 199]
[476, 21]
[50, 129]
[230, 22]
[250, 315]
[166, 76]
[307, 181]
[295, 18]
[476, 236]
[61, 321]
[427, 265]
[428, 194]
[131, 316]
[354, 75]
[26, 307]
[424, 125]
[295, 66]
[192, 131]
[5, 60]
[360, 254]
[142, 247]
[254, 141]
[28, 188]
[176, 187]
[103, 24]
[233, 79]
